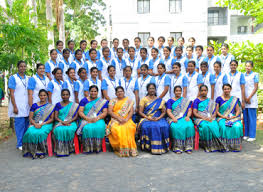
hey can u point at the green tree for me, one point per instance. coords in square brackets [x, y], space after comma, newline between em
[252, 8]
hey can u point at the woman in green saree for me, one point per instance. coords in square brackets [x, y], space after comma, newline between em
[230, 126]
[41, 117]
[204, 110]
[65, 125]
[182, 129]
[92, 112]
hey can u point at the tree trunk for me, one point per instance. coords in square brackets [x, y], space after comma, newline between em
[33, 4]
[49, 17]
[61, 25]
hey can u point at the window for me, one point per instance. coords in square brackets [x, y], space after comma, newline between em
[242, 29]
[143, 6]
[213, 17]
[175, 6]
[176, 35]
[144, 36]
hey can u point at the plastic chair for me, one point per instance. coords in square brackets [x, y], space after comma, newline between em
[49, 145]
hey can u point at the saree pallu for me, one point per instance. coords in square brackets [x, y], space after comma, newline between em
[231, 130]
[64, 135]
[182, 132]
[122, 136]
[208, 131]
[92, 133]
[154, 135]
[35, 140]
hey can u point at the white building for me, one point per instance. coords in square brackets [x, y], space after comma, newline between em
[202, 19]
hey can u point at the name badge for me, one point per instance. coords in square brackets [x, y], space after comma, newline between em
[40, 122]
[208, 115]
[181, 114]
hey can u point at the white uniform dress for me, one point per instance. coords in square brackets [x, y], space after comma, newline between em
[21, 98]
[153, 64]
[192, 88]
[226, 60]
[110, 85]
[211, 62]
[134, 65]
[160, 82]
[40, 84]
[81, 89]
[70, 87]
[181, 81]
[142, 83]
[168, 64]
[90, 65]
[249, 87]
[181, 60]
[52, 66]
[207, 81]
[78, 64]
[56, 92]
[129, 88]
[98, 84]
[105, 65]
[235, 82]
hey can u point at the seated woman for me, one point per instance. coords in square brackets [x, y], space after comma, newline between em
[182, 129]
[121, 129]
[41, 117]
[230, 126]
[65, 125]
[204, 117]
[153, 128]
[92, 112]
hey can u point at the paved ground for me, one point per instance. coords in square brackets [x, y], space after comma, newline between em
[106, 172]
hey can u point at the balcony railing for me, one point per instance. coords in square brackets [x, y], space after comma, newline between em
[217, 21]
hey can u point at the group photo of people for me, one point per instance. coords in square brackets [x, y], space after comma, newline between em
[171, 95]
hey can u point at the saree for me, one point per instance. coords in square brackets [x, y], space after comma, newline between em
[182, 132]
[154, 135]
[231, 130]
[64, 135]
[122, 136]
[208, 131]
[92, 133]
[35, 139]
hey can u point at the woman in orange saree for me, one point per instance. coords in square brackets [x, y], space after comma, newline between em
[121, 129]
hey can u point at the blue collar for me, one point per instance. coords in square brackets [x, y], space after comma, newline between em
[105, 59]
[21, 77]
[154, 59]
[205, 74]
[59, 52]
[131, 60]
[57, 81]
[144, 60]
[40, 77]
[160, 77]
[167, 58]
[72, 52]
[126, 79]
[70, 81]
[81, 80]
[192, 74]
[79, 62]
[249, 73]
[176, 58]
[66, 62]
[234, 73]
[146, 76]
[178, 76]
[211, 58]
[138, 48]
[53, 62]
[119, 60]
[93, 81]
[112, 79]
[219, 74]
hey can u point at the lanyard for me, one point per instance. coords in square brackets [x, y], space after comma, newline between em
[174, 83]
[209, 60]
[131, 62]
[71, 84]
[43, 81]
[143, 81]
[94, 83]
[127, 86]
[114, 85]
[120, 63]
[232, 78]
[23, 81]
[189, 82]
[59, 84]
[159, 81]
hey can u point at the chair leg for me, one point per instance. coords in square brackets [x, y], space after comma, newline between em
[49, 145]
[103, 145]
[196, 146]
[76, 144]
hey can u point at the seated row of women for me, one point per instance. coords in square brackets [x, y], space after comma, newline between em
[218, 123]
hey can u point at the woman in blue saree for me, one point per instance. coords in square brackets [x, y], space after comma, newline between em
[65, 125]
[182, 129]
[41, 117]
[230, 126]
[92, 112]
[153, 128]
[204, 110]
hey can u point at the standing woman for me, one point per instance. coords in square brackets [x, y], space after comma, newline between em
[66, 114]
[93, 45]
[144, 58]
[71, 46]
[153, 128]
[154, 62]
[226, 58]
[92, 111]
[36, 83]
[54, 87]
[178, 79]
[59, 46]
[144, 80]
[237, 81]
[78, 62]
[204, 119]
[79, 88]
[250, 111]
[132, 62]
[194, 81]
[64, 63]
[106, 61]
[119, 63]
[18, 107]
[121, 129]
[178, 51]
[167, 61]
[70, 83]
[94, 62]
[163, 83]
[208, 80]
[41, 117]
[130, 86]
[51, 64]
[94, 80]
[220, 79]
[83, 46]
[229, 120]
[161, 41]
[109, 84]
[211, 58]
[170, 42]
[150, 42]
[181, 126]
